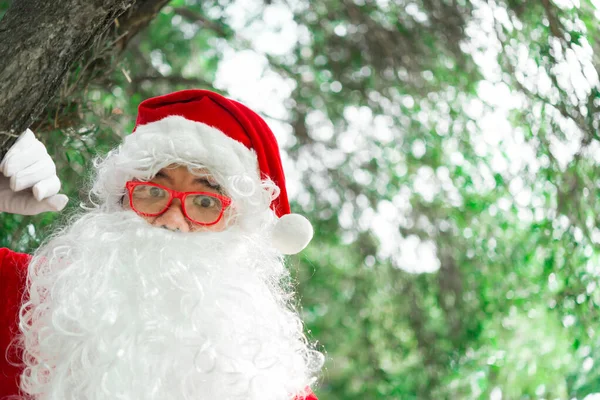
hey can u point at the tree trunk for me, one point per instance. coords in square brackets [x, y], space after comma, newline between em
[39, 40]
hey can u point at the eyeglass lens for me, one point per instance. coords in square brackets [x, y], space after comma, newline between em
[199, 207]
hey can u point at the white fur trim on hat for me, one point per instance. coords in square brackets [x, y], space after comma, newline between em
[292, 234]
[199, 142]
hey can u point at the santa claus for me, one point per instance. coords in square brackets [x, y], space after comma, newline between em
[173, 285]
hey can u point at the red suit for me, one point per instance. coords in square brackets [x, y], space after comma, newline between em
[13, 278]
[13, 274]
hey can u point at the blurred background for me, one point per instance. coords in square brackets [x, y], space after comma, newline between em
[446, 151]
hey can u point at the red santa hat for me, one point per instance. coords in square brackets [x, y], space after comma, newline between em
[235, 121]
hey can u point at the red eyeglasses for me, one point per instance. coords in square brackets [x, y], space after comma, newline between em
[150, 200]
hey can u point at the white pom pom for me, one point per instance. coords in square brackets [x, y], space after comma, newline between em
[292, 233]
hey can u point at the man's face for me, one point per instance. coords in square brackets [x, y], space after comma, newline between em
[179, 178]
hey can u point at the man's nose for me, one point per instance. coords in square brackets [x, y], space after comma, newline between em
[173, 219]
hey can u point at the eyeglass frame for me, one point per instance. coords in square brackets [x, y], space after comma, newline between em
[174, 194]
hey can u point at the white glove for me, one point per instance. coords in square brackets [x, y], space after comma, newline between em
[28, 165]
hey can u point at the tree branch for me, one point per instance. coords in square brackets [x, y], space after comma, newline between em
[41, 43]
[172, 79]
[201, 20]
[38, 43]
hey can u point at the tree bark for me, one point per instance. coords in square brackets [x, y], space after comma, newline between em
[39, 40]
[96, 66]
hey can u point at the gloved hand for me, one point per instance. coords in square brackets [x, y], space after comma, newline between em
[28, 165]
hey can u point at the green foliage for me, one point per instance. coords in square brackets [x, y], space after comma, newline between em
[466, 130]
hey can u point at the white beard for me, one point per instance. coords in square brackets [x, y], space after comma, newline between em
[119, 309]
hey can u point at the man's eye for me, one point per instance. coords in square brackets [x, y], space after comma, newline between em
[156, 192]
[205, 202]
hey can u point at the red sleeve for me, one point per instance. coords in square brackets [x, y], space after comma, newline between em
[13, 274]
